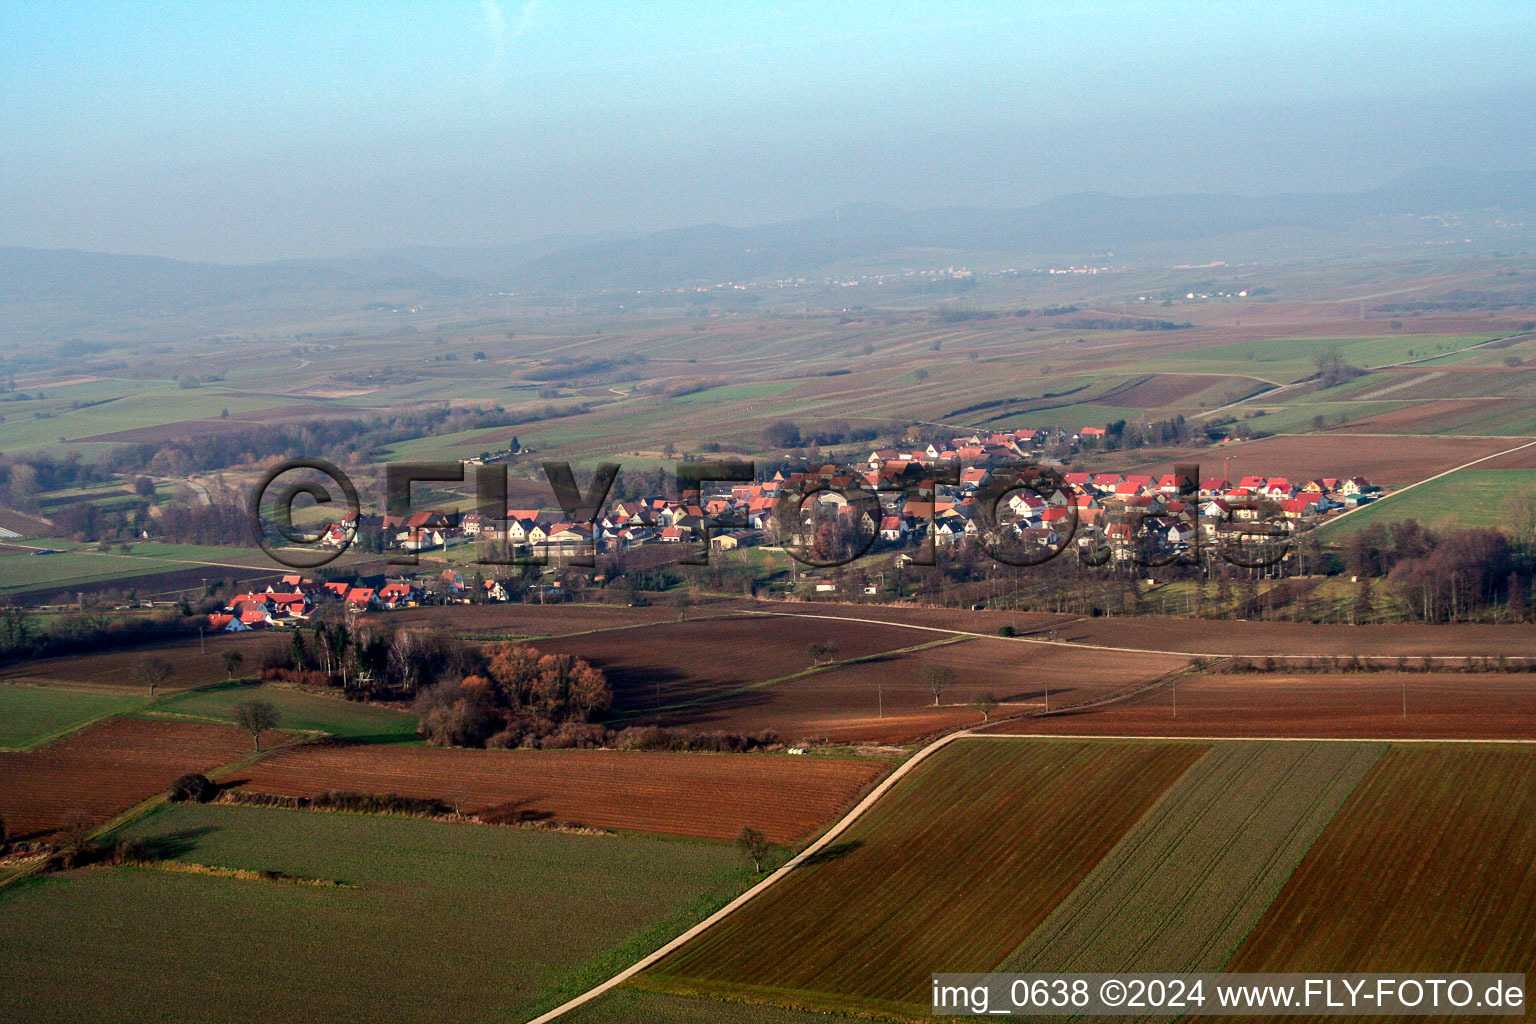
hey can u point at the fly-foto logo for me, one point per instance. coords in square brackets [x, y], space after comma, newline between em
[1021, 514]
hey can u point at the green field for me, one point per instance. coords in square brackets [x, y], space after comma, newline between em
[142, 404]
[1425, 868]
[444, 922]
[915, 886]
[1464, 500]
[344, 719]
[32, 713]
[739, 392]
[1290, 359]
[21, 572]
[1184, 886]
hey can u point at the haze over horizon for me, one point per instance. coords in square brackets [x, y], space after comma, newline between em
[244, 133]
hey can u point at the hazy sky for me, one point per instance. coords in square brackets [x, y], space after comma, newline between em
[250, 130]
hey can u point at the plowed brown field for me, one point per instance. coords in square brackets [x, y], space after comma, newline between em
[1201, 636]
[1391, 461]
[886, 700]
[672, 662]
[712, 795]
[528, 619]
[190, 666]
[1449, 705]
[106, 769]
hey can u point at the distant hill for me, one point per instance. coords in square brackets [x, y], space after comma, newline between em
[1072, 225]
[1075, 225]
[102, 283]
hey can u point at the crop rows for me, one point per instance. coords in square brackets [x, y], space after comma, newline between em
[1425, 868]
[105, 769]
[1188, 882]
[949, 872]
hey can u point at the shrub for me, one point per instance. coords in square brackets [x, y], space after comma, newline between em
[1007, 631]
[131, 851]
[192, 787]
[344, 800]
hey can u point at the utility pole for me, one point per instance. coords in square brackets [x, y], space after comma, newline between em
[880, 696]
[202, 648]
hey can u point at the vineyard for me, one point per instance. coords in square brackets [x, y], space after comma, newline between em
[191, 664]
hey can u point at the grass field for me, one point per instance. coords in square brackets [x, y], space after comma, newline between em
[142, 404]
[1464, 500]
[32, 713]
[914, 886]
[1425, 868]
[738, 392]
[1288, 359]
[1184, 886]
[301, 711]
[23, 572]
[445, 922]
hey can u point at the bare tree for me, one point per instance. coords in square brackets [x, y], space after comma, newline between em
[149, 671]
[754, 846]
[986, 704]
[74, 841]
[15, 626]
[937, 679]
[232, 661]
[256, 717]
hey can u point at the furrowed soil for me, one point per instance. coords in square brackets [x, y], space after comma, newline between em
[886, 699]
[1190, 880]
[949, 871]
[1426, 868]
[1364, 705]
[669, 663]
[710, 795]
[107, 768]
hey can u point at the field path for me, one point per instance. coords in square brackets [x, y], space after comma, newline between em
[730, 908]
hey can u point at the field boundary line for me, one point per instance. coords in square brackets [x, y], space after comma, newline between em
[841, 826]
[1014, 639]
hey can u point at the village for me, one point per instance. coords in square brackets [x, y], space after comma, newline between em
[905, 501]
